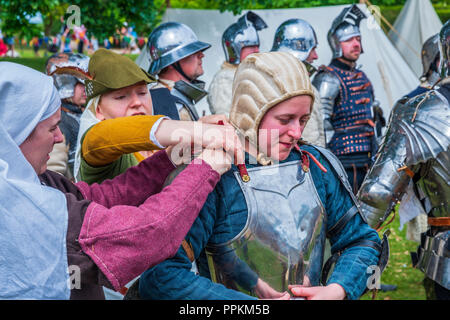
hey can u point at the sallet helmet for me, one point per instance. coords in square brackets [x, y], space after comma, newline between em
[170, 42]
[67, 69]
[344, 27]
[444, 48]
[430, 52]
[295, 36]
[243, 33]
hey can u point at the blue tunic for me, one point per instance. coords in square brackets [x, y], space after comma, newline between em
[224, 215]
[419, 90]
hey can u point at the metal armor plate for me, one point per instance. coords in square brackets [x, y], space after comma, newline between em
[284, 236]
[434, 257]
[418, 136]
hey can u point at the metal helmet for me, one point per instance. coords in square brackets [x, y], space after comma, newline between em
[430, 52]
[67, 69]
[444, 48]
[344, 27]
[170, 42]
[243, 33]
[295, 36]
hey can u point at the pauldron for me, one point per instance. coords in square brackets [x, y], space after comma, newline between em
[418, 131]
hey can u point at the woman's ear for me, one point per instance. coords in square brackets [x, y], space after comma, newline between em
[98, 112]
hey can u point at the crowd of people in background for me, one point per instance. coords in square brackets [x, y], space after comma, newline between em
[77, 40]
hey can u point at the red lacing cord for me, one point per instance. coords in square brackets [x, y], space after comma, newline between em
[242, 168]
[302, 152]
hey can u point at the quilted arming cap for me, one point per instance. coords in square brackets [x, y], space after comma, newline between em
[262, 81]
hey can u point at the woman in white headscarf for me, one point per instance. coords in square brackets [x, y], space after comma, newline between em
[59, 240]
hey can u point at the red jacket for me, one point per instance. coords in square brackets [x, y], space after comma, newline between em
[121, 227]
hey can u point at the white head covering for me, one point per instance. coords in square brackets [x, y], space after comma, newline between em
[33, 217]
[87, 120]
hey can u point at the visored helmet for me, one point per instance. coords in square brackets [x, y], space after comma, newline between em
[295, 36]
[243, 33]
[170, 42]
[344, 27]
[67, 69]
[444, 48]
[430, 52]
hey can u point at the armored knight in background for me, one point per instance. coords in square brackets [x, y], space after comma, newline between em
[238, 41]
[177, 55]
[430, 62]
[69, 71]
[416, 149]
[347, 99]
[298, 37]
[417, 222]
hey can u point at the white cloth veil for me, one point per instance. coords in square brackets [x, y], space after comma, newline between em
[33, 217]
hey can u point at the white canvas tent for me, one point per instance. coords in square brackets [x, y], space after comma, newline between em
[390, 74]
[416, 23]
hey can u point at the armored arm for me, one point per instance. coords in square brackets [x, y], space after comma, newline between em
[328, 86]
[384, 185]
[418, 131]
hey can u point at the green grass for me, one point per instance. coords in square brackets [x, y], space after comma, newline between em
[35, 63]
[399, 270]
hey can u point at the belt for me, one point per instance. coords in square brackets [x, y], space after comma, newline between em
[439, 222]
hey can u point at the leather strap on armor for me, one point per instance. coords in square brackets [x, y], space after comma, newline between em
[342, 175]
[333, 259]
[188, 249]
[439, 222]
[334, 230]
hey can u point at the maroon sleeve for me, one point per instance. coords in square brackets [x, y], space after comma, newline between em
[133, 186]
[124, 241]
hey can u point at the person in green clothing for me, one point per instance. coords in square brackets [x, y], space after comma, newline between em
[118, 130]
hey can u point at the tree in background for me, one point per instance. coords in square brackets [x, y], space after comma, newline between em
[15, 16]
[102, 18]
[391, 7]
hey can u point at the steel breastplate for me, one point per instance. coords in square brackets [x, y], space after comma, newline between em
[434, 257]
[284, 236]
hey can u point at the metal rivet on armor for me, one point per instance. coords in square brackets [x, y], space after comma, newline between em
[305, 168]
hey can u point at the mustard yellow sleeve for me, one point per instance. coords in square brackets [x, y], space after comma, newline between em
[106, 141]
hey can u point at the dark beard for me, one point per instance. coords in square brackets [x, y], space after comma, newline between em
[348, 60]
